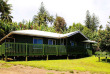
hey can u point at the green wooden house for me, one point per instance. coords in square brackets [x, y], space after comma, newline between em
[37, 43]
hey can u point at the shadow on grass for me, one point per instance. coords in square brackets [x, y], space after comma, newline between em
[44, 58]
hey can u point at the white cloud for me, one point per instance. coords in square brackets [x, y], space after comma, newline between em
[71, 10]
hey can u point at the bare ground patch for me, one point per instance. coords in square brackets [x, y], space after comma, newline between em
[20, 69]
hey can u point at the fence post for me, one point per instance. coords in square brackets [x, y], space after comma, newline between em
[26, 52]
[5, 53]
[43, 49]
[2, 57]
[67, 57]
[99, 59]
[47, 57]
[57, 49]
[6, 58]
[106, 59]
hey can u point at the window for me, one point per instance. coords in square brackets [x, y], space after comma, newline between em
[72, 43]
[62, 42]
[87, 45]
[37, 41]
[51, 42]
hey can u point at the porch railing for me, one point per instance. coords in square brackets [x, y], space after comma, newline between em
[26, 49]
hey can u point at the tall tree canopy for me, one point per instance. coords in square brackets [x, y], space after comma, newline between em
[88, 19]
[91, 22]
[60, 24]
[5, 11]
[108, 25]
[43, 17]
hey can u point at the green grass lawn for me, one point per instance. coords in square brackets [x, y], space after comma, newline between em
[84, 64]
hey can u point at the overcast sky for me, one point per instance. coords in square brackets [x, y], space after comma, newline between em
[70, 10]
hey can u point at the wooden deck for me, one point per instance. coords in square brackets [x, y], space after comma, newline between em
[26, 49]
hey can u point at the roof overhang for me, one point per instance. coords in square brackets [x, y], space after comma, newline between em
[89, 41]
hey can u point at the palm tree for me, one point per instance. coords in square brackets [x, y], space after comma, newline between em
[6, 17]
[5, 11]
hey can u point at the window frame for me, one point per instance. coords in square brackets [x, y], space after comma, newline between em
[87, 45]
[39, 44]
[73, 43]
[52, 41]
[62, 42]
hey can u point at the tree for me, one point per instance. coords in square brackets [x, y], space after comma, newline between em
[108, 25]
[88, 19]
[76, 27]
[94, 22]
[5, 11]
[91, 22]
[100, 27]
[104, 40]
[43, 16]
[51, 19]
[87, 32]
[6, 17]
[60, 24]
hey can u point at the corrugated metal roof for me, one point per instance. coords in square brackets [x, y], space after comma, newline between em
[42, 34]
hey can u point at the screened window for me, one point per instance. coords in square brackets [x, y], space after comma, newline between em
[88, 45]
[72, 43]
[50, 42]
[62, 42]
[37, 42]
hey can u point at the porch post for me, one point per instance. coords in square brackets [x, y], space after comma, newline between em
[26, 58]
[47, 57]
[14, 40]
[2, 57]
[63, 41]
[6, 58]
[60, 41]
[67, 57]
[43, 49]
[14, 47]
[5, 54]
[66, 41]
[26, 53]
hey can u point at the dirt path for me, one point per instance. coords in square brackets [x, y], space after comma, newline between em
[20, 69]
